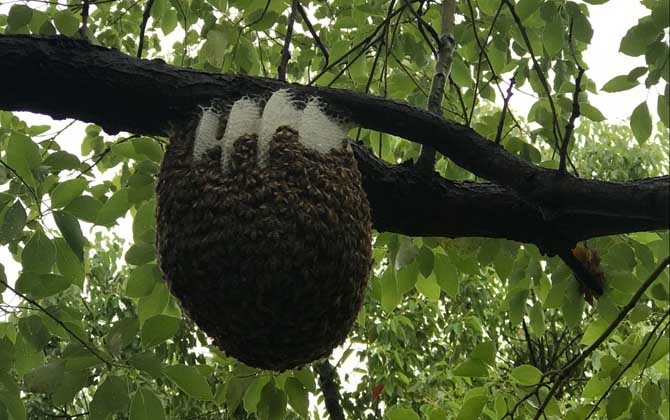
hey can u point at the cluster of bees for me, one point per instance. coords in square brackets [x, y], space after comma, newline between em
[269, 256]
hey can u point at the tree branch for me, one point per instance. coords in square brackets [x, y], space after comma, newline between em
[56, 75]
[331, 393]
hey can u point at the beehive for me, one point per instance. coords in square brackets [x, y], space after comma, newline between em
[264, 230]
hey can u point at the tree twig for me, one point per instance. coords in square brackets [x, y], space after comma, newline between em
[501, 123]
[286, 50]
[329, 388]
[445, 53]
[315, 35]
[143, 26]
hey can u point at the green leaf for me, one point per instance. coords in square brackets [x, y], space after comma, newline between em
[121, 334]
[72, 382]
[115, 207]
[389, 287]
[140, 253]
[66, 22]
[472, 368]
[460, 73]
[71, 231]
[407, 277]
[34, 332]
[619, 84]
[147, 362]
[40, 286]
[46, 379]
[526, 374]
[525, 8]
[618, 401]
[486, 352]
[306, 377]
[272, 405]
[640, 123]
[144, 223]
[252, 396]
[142, 280]
[473, 404]
[358, 70]
[595, 387]
[68, 264]
[149, 147]
[157, 329]
[146, 406]
[401, 413]
[593, 331]
[636, 40]
[153, 304]
[190, 380]
[23, 156]
[297, 396]
[39, 254]
[61, 161]
[67, 191]
[489, 6]
[10, 396]
[663, 108]
[19, 15]
[110, 397]
[215, 47]
[536, 315]
[428, 287]
[446, 275]
[581, 27]
[85, 208]
[553, 37]
[14, 222]
[438, 414]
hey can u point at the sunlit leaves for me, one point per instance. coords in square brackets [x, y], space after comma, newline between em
[23, 156]
[473, 404]
[526, 374]
[297, 396]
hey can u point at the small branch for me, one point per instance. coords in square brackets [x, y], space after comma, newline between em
[329, 388]
[143, 26]
[575, 107]
[565, 371]
[84, 18]
[538, 70]
[81, 341]
[501, 123]
[38, 201]
[315, 35]
[446, 45]
[285, 52]
[571, 122]
[258, 19]
[630, 363]
[421, 24]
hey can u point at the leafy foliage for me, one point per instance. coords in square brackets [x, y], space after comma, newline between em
[461, 328]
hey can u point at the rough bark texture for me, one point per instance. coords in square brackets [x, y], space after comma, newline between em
[67, 78]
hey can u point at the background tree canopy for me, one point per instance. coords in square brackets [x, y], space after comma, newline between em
[484, 302]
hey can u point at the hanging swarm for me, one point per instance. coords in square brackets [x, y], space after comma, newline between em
[264, 230]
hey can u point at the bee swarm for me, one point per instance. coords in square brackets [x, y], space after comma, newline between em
[264, 232]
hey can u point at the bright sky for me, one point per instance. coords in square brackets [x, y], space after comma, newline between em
[610, 22]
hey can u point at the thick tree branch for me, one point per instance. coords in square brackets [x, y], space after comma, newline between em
[57, 75]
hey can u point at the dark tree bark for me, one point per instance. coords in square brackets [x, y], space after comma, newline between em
[330, 390]
[68, 78]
